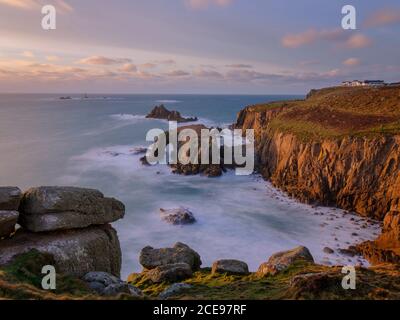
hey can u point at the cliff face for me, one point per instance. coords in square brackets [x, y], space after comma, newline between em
[359, 173]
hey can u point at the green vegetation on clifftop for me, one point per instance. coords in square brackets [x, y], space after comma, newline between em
[338, 112]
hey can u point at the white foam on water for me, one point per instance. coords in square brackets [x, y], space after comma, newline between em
[238, 217]
[128, 117]
[166, 101]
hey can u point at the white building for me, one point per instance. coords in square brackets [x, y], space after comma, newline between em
[364, 83]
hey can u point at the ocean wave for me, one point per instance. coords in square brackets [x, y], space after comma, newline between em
[128, 117]
[168, 101]
[132, 118]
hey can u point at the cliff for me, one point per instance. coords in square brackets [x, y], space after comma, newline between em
[339, 147]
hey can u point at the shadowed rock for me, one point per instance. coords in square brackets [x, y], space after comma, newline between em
[106, 284]
[9, 198]
[174, 290]
[62, 208]
[76, 252]
[230, 267]
[8, 220]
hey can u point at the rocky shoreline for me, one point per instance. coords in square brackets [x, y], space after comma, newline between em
[358, 173]
[87, 258]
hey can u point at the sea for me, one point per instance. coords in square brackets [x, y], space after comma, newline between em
[93, 142]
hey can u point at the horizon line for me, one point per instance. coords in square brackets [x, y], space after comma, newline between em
[125, 93]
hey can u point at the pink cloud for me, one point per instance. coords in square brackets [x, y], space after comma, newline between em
[311, 36]
[100, 60]
[358, 41]
[383, 17]
[202, 4]
[128, 67]
[351, 62]
[207, 74]
[177, 73]
[61, 5]
[148, 65]
[239, 66]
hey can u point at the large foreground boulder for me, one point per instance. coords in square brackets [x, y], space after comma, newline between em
[283, 260]
[8, 220]
[9, 198]
[63, 208]
[151, 258]
[230, 267]
[76, 252]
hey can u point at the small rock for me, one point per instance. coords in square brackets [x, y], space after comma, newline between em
[138, 150]
[230, 267]
[8, 220]
[170, 273]
[328, 250]
[174, 290]
[106, 284]
[180, 216]
[351, 251]
[118, 288]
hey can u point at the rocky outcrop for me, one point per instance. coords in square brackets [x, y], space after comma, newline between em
[234, 267]
[9, 198]
[106, 284]
[151, 258]
[160, 112]
[387, 247]
[63, 208]
[8, 220]
[76, 252]
[283, 260]
[179, 216]
[356, 172]
[70, 224]
[210, 169]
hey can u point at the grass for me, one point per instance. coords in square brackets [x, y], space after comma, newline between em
[324, 283]
[338, 112]
[21, 279]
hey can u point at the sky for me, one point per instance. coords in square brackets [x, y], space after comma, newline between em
[195, 46]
